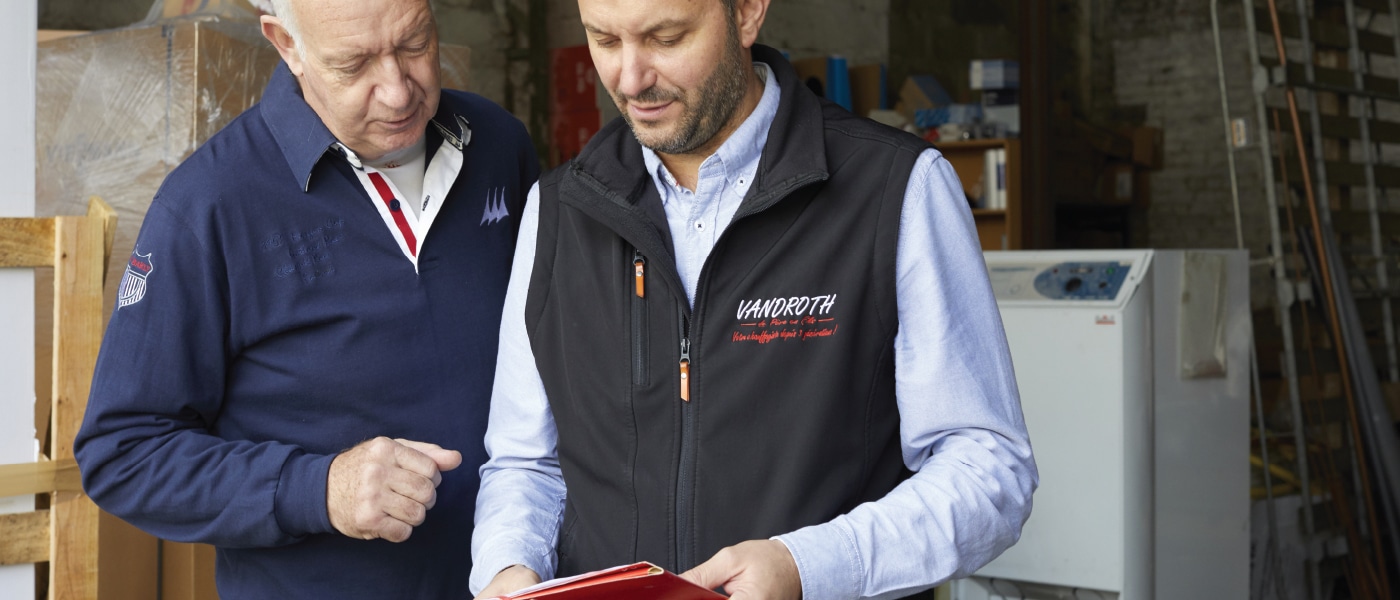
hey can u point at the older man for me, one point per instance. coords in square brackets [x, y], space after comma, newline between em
[749, 336]
[301, 354]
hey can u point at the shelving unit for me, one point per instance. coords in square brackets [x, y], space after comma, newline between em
[999, 229]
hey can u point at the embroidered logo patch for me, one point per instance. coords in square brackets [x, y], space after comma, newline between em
[495, 207]
[796, 318]
[133, 285]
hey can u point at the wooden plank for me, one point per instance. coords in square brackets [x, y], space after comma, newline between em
[1323, 33]
[1340, 81]
[24, 538]
[1346, 128]
[128, 567]
[26, 242]
[45, 35]
[1359, 223]
[39, 478]
[188, 571]
[100, 210]
[78, 265]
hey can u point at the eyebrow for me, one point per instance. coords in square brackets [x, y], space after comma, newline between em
[664, 24]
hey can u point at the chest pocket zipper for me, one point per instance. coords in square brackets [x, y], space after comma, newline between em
[639, 318]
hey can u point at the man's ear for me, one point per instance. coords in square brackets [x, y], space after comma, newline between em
[749, 18]
[281, 39]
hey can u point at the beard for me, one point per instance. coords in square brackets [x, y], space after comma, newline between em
[704, 113]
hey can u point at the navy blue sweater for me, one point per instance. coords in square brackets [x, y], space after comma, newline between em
[267, 320]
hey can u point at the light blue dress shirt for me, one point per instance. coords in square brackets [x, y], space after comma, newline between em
[961, 428]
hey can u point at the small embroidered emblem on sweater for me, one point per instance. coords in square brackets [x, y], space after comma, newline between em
[495, 207]
[133, 285]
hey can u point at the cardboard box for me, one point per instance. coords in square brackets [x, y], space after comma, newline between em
[921, 92]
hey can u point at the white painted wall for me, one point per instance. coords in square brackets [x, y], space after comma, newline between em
[18, 23]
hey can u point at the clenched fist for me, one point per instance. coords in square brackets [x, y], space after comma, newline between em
[383, 488]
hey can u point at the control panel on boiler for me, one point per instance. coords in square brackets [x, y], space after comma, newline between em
[1082, 281]
[1089, 280]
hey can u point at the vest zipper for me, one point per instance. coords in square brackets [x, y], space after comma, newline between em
[639, 319]
[684, 485]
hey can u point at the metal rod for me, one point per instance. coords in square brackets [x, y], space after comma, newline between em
[1283, 288]
[1225, 116]
[1317, 214]
[1270, 553]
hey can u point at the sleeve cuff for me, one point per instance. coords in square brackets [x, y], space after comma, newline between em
[300, 502]
[494, 558]
[827, 562]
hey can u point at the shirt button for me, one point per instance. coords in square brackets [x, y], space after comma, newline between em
[700, 225]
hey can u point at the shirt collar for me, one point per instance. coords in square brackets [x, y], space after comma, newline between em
[304, 139]
[740, 153]
[298, 130]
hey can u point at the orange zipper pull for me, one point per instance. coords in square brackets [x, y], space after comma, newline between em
[640, 268]
[685, 370]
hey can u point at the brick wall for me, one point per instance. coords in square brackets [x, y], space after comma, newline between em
[1163, 58]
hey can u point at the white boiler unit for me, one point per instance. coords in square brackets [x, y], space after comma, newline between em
[1133, 367]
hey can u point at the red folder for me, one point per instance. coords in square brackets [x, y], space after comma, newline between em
[640, 581]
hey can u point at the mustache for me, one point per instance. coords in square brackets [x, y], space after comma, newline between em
[652, 95]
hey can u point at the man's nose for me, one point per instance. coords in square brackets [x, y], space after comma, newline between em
[637, 73]
[394, 89]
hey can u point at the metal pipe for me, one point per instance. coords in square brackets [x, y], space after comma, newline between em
[1285, 292]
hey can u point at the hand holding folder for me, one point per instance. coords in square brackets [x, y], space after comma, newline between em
[640, 581]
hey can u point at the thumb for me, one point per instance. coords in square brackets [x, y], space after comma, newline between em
[446, 459]
[709, 574]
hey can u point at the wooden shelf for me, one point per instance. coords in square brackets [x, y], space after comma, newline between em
[997, 228]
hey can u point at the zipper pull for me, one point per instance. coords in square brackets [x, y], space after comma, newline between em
[639, 264]
[685, 369]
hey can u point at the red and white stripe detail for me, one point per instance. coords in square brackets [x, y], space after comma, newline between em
[387, 196]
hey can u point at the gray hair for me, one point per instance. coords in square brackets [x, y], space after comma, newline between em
[282, 9]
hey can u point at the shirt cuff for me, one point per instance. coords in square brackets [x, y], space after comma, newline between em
[497, 556]
[827, 562]
[300, 502]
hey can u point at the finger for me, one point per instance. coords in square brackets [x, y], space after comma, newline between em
[446, 459]
[394, 530]
[404, 509]
[415, 487]
[409, 458]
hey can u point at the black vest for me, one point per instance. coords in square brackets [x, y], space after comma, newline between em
[791, 419]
